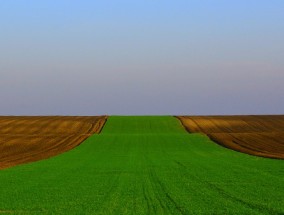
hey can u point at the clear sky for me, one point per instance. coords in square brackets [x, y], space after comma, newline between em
[87, 57]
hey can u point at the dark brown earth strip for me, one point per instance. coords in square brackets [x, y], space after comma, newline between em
[25, 139]
[261, 135]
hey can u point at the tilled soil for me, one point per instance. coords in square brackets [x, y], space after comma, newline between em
[255, 135]
[25, 139]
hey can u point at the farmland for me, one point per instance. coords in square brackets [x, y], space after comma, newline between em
[26, 139]
[254, 135]
[145, 165]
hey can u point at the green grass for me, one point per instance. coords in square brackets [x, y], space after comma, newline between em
[145, 165]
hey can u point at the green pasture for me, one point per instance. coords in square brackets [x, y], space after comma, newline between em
[145, 165]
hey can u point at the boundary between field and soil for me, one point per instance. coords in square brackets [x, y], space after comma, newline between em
[253, 140]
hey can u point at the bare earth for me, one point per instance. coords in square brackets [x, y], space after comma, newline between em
[255, 135]
[26, 139]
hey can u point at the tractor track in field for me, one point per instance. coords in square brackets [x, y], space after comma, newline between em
[162, 191]
[225, 195]
[259, 208]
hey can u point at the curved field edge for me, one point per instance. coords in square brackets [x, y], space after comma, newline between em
[26, 139]
[142, 168]
[261, 136]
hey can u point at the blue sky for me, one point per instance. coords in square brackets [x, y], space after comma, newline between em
[64, 57]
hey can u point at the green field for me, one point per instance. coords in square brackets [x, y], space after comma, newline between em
[145, 165]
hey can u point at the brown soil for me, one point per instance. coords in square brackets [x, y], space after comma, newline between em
[26, 139]
[255, 135]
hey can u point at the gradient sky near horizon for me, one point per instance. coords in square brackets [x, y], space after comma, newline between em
[199, 57]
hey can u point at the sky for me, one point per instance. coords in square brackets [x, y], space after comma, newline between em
[150, 57]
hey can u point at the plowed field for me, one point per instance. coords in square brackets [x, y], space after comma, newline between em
[254, 135]
[145, 165]
[26, 139]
